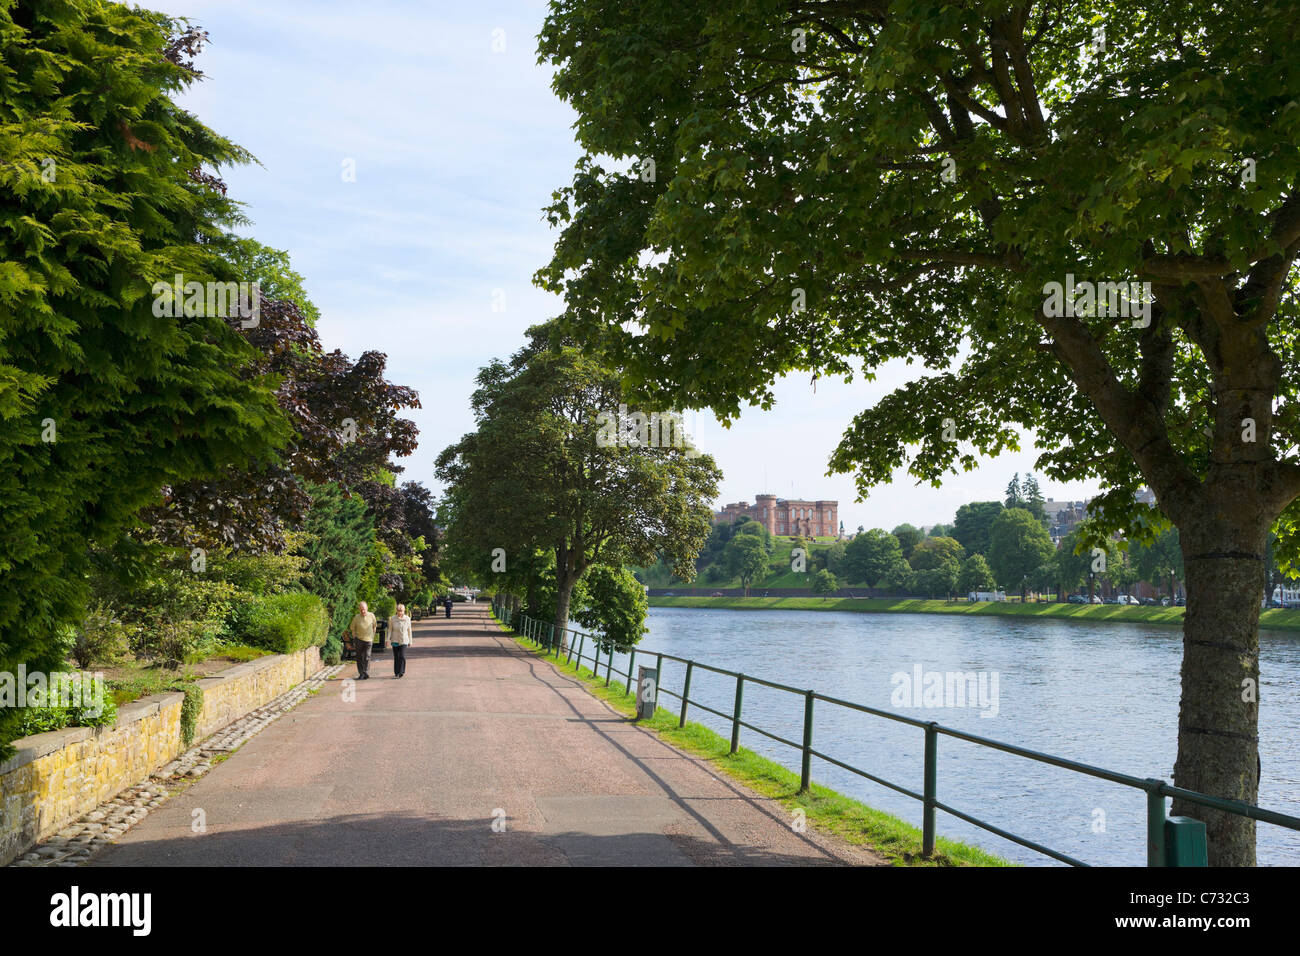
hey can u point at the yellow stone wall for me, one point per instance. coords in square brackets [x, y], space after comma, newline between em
[57, 777]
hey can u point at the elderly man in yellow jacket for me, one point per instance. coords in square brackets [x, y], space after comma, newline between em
[362, 632]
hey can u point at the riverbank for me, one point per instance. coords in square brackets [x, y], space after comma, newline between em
[1276, 620]
[823, 809]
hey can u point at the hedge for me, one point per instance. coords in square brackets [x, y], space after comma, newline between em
[283, 623]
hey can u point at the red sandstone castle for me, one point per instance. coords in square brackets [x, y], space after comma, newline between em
[789, 517]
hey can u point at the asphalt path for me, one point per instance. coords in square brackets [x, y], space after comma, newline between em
[483, 754]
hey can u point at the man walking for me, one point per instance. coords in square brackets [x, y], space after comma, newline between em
[446, 602]
[362, 630]
[399, 636]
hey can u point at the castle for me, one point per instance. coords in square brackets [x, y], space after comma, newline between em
[786, 516]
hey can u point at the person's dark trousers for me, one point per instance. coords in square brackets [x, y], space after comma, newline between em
[363, 658]
[449, 610]
[399, 660]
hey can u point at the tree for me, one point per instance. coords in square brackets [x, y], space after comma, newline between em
[104, 401]
[1160, 560]
[1096, 224]
[941, 531]
[971, 527]
[976, 575]
[870, 555]
[824, 583]
[908, 537]
[936, 552]
[1033, 498]
[746, 558]
[1018, 546]
[551, 466]
[615, 607]
[1015, 494]
[898, 577]
[340, 536]
[1073, 567]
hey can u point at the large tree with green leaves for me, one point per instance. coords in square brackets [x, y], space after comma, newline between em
[871, 555]
[1018, 546]
[746, 558]
[972, 523]
[772, 186]
[106, 189]
[554, 465]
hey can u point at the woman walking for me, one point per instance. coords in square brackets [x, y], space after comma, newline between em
[399, 636]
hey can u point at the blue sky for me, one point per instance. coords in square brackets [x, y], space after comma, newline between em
[456, 147]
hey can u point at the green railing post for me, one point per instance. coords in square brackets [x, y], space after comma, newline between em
[686, 692]
[1155, 823]
[582, 642]
[631, 660]
[609, 668]
[735, 715]
[931, 788]
[805, 772]
[569, 656]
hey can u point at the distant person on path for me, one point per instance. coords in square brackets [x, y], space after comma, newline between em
[399, 636]
[446, 602]
[362, 631]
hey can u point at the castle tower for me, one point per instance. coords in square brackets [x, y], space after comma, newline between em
[765, 511]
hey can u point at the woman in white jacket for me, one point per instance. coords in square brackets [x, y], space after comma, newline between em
[399, 638]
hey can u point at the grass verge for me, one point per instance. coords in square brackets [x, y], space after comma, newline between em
[1272, 619]
[825, 809]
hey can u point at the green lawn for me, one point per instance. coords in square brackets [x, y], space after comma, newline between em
[1171, 616]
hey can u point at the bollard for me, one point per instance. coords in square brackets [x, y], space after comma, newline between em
[647, 693]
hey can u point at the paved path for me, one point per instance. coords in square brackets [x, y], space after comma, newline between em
[414, 772]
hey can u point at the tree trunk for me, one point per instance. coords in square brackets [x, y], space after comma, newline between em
[1218, 721]
[563, 592]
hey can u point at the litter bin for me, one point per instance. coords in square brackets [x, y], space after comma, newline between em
[381, 631]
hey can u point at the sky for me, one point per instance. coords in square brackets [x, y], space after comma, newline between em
[404, 154]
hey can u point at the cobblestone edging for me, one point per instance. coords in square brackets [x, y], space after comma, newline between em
[79, 841]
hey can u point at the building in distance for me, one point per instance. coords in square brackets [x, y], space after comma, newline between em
[786, 516]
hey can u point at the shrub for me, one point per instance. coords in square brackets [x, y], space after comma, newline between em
[43, 717]
[283, 623]
[191, 708]
[332, 652]
[102, 638]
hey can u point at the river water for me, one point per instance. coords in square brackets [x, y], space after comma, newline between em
[1103, 694]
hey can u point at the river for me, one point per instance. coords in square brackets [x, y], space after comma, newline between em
[1103, 694]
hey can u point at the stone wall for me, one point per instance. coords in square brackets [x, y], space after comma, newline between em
[59, 776]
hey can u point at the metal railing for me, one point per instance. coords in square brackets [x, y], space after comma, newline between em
[1166, 846]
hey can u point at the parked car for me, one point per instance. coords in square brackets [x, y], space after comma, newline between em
[1149, 602]
[1096, 599]
[717, 594]
[1078, 599]
[1164, 602]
